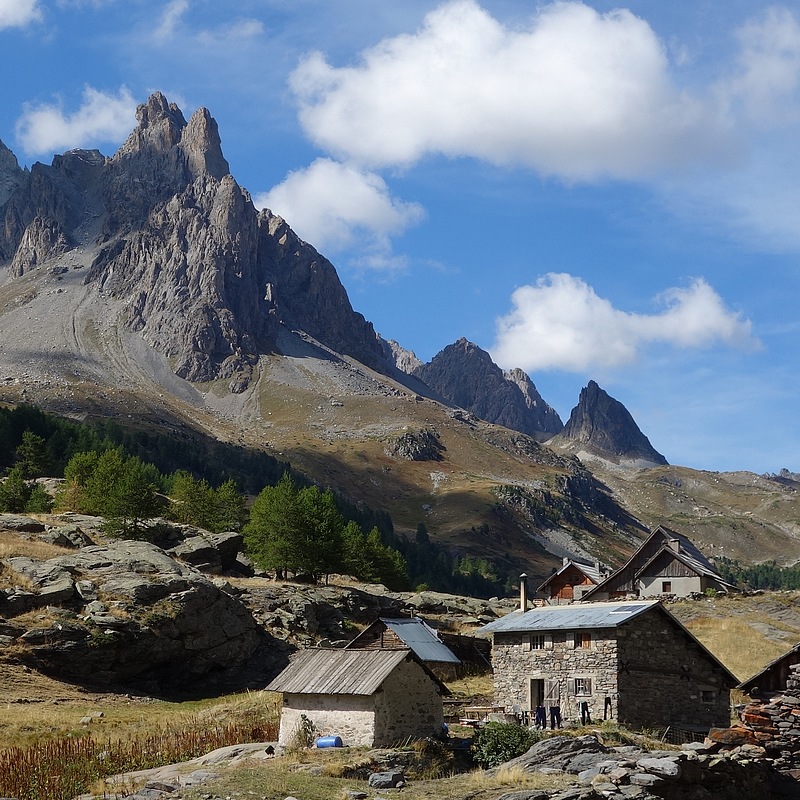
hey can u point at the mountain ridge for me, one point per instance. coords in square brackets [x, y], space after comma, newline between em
[173, 300]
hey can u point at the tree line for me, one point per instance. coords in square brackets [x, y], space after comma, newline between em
[292, 527]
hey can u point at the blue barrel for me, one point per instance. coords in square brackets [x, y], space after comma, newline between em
[329, 741]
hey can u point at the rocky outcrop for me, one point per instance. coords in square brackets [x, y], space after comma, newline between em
[421, 445]
[695, 771]
[126, 614]
[466, 376]
[600, 425]
[43, 239]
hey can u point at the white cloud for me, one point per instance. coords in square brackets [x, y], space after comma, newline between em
[765, 85]
[577, 94]
[236, 31]
[561, 323]
[18, 13]
[170, 19]
[102, 117]
[335, 206]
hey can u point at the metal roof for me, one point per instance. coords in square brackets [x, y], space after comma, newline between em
[324, 671]
[575, 616]
[422, 639]
[334, 671]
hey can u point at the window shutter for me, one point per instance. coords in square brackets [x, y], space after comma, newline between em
[552, 695]
[571, 640]
[548, 641]
[526, 641]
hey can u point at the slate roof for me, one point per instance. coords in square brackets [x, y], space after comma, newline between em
[575, 616]
[422, 639]
[335, 671]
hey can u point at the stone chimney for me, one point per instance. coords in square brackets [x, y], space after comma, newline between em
[523, 593]
[675, 544]
[565, 561]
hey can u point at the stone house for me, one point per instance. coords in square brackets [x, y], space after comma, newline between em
[412, 633]
[371, 698]
[628, 661]
[571, 582]
[666, 563]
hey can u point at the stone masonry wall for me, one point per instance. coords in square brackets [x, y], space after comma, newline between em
[350, 716]
[668, 679]
[515, 665]
[407, 705]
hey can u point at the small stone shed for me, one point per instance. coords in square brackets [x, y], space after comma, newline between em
[371, 698]
[629, 661]
[412, 633]
[571, 582]
[773, 678]
[666, 563]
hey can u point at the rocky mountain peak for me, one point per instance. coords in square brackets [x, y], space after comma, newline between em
[160, 126]
[602, 426]
[201, 143]
[466, 376]
[11, 174]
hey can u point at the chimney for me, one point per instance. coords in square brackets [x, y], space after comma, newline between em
[565, 561]
[675, 544]
[523, 593]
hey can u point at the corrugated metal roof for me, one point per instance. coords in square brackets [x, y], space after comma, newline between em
[422, 639]
[575, 616]
[322, 671]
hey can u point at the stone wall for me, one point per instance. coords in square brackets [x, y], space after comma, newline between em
[350, 716]
[666, 678]
[775, 725]
[515, 665]
[408, 704]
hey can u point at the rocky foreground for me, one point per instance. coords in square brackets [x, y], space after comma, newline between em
[699, 771]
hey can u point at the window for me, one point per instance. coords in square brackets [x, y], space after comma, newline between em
[583, 639]
[537, 641]
[707, 696]
[583, 687]
[666, 587]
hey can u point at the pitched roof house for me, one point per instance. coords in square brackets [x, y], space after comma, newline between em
[628, 661]
[665, 563]
[571, 582]
[366, 697]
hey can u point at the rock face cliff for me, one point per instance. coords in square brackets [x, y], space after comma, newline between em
[600, 425]
[465, 375]
[206, 279]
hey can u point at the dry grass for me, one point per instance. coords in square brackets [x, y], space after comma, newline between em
[739, 646]
[23, 724]
[13, 545]
[745, 633]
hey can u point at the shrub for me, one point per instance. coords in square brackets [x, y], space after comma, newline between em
[498, 742]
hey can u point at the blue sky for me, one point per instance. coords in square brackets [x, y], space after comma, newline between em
[588, 191]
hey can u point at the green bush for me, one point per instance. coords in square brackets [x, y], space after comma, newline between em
[498, 742]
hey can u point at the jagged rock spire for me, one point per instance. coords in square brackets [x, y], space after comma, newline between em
[604, 427]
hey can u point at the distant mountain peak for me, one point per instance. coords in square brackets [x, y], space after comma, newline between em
[466, 376]
[602, 426]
